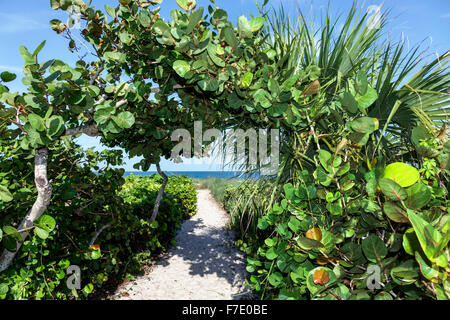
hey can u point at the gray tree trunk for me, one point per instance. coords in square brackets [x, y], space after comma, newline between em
[44, 189]
[160, 193]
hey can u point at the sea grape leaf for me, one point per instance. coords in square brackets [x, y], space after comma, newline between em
[392, 190]
[418, 196]
[5, 194]
[402, 173]
[374, 248]
[395, 212]
[257, 23]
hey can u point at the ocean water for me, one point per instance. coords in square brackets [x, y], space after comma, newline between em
[195, 174]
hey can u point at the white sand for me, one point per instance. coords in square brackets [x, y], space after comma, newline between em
[205, 265]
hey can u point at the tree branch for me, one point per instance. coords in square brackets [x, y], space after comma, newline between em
[175, 87]
[98, 233]
[90, 130]
[160, 193]
[44, 189]
[96, 75]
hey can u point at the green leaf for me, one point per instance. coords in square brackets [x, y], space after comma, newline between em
[418, 196]
[5, 194]
[359, 138]
[405, 273]
[353, 252]
[7, 76]
[275, 279]
[234, 101]
[41, 233]
[212, 53]
[349, 102]
[246, 80]
[36, 122]
[210, 84]
[95, 254]
[270, 242]
[114, 56]
[194, 19]
[383, 296]
[257, 23]
[3, 289]
[363, 125]
[308, 244]
[146, 21]
[38, 49]
[426, 268]
[395, 212]
[55, 126]
[325, 158]
[323, 177]
[274, 87]
[55, 4]
[427, 235]
[47, 223]
[289, 191]
[362, 83]
[124, 120]
[392, 190]
[410, 242]
[374, 248]
[52, 77]
[402, 173]
[182, 68]
[244, 27]
[88, 288]
[110, 10]
[289, 83]
[102, 116]
[125, 38]
[187, 5]
[263, 97]
[10, 238]
[160, 27]
[229, 36]
[294, 224]
[367, 100]
[26, 55]
[271, 254]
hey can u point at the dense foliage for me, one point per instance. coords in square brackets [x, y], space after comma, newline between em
[348, 107]
[84, 202]
[324, 237]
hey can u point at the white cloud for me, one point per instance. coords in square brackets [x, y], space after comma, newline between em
[14, 23]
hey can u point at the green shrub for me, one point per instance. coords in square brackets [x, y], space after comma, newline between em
[345, 222]
[83, 202]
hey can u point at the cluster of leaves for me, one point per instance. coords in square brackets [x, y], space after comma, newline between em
[223, 74]
[344, 220]
[87, 195]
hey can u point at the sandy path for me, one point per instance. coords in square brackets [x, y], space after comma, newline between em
[205, 265]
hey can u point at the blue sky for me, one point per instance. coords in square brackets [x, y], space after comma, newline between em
[26, 23]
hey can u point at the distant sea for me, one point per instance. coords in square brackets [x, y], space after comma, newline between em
[195, 174]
